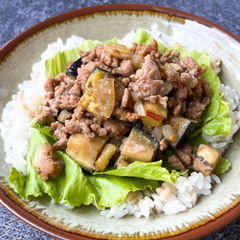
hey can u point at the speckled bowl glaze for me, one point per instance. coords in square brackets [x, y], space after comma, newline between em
[102, 23]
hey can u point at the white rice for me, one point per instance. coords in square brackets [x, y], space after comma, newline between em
[170, 199]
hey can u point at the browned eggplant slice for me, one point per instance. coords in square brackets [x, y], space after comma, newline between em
[97, 74]
[72, 70]
[85, 152]
[139, 146]
[206, 160]
[185, 129]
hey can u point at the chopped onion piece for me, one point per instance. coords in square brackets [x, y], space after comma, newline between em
[63, 116]
[135, 97]
[167, 87]
[157, 133]
[175, 66]
[139, 109]
[118, 50]
[192, 82]
[137, 61]
[170, 133]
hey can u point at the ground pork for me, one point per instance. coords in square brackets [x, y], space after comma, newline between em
[126, 68]
[98, 57]
[127, 100]
[163, 144]
[85, 70]
[126, 81]
[60, 144]
[143, 50]
[58, 130]
[79, 113]
[194, 110]
[90, 127]
[170, 75]
[147, 83]
[166, 56]
[117, 128]
[185, 158]
[79, 126]
[44, 113]
[191, 93]
[47, 163]
[187, 149]
[185, 76]
[61, 93]
[175, 162]
[124, 115]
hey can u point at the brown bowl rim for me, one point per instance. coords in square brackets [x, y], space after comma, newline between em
[30, 219]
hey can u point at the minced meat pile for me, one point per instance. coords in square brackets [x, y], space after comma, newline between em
[178, 85]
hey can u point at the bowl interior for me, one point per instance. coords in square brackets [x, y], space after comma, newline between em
[86, 220]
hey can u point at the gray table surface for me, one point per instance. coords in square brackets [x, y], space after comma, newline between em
[18, 15]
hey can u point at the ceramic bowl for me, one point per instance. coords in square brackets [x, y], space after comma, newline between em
[102, 23]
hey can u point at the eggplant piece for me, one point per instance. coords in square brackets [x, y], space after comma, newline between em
[139, 146]
[89, 102]
[100, 98]
[72, 71]
[106, 95]
[115, 141]
[155, 112]
[185, 129]
[139, 124]
[121, 162]
[206, 160]
[107, 153]
[84, 151]
[119, 90]
[97, 74]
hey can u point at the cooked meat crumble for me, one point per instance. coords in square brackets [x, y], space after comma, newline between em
[47, 163]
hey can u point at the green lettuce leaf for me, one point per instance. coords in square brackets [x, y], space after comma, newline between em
[222, 166]
[46, 130]
[113, 189]
[221, 124]
[58, 63]
[151, 171]
[89, 44]
[143, 37]
[72, 186]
